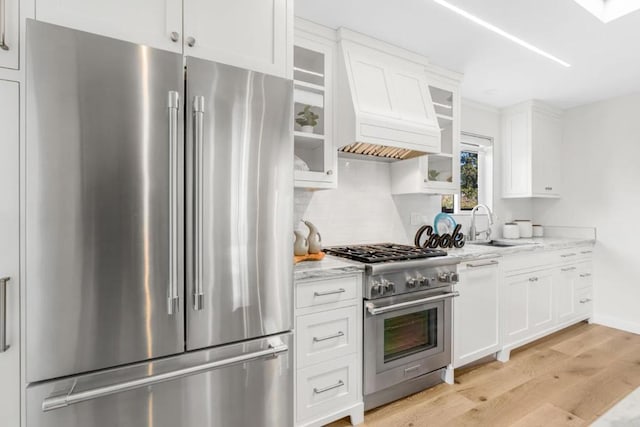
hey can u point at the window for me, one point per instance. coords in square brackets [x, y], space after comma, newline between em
[476, 175]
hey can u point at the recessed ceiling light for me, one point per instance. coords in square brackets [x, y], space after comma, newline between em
[501, 32]
[608, 10]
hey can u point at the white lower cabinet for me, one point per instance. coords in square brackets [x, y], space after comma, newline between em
[540, 300]
[9, 250]
[476, 321]
[528, 305]
[328, 347]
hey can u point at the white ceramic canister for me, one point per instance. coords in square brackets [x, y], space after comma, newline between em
[510, 230]
[538, 230]
[526, 227]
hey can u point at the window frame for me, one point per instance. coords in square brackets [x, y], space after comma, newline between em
[483, 145]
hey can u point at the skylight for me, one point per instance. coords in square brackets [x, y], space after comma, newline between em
[502, 32]
[608, 10]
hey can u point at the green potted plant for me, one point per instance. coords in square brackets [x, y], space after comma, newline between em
[307, 119]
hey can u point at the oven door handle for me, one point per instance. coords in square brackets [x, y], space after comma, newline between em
[381, 310]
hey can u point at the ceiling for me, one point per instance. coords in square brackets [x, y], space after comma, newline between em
[605, 58]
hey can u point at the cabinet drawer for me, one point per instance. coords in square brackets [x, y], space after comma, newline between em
[313, 293]
[585, 278]
[326, 335]
[326, 387]
[584, 301]
[571, 255]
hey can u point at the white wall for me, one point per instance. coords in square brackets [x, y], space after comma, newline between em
[601, 177]
[362, 210]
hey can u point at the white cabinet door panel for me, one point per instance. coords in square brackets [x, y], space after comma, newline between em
[9, 55]
[541, 301]
[476, 313]
[516, 313]
[9, 250]
[252, 34]
[148, 22]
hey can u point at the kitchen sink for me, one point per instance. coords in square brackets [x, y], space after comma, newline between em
[501, 243]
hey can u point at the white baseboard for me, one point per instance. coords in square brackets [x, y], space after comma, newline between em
[612, 322]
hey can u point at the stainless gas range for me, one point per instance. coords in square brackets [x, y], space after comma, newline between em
[407, 318]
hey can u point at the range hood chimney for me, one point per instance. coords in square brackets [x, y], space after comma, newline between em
[384, 103]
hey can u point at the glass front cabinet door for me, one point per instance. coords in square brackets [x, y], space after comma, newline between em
[315, 155]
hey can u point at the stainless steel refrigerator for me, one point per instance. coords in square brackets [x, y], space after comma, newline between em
[159, 202]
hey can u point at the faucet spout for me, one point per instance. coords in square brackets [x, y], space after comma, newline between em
[473, 233]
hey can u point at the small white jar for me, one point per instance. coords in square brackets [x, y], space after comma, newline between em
[526, 227]
[510, 230]
[538, 231]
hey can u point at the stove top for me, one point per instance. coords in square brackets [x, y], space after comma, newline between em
[383, 252]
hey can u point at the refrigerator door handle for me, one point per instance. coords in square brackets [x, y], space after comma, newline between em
[198, 122]
[3, 314]
[173, 298]
[63, 400]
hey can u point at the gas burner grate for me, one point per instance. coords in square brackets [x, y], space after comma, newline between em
[383, 252]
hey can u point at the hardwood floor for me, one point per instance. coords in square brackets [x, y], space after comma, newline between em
[566, 379]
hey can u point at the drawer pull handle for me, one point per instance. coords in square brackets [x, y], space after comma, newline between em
[322, 294]
[486, 264]
[585, 300]
[411, 369]
[568, 255]
[533, 279]
[586, 252]
[328, 337]
[331, 387]
[569, 269]
[548, 188]
[585, 275]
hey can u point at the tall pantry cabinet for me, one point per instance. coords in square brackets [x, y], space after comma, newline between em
[9, 253]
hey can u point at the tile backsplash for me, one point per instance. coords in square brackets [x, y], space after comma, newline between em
[362, 209]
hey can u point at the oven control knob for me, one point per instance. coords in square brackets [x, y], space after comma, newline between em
[426, 281]
[422, 281]
[389, 287]
[411, 283]
[448, 277]
[377, 289]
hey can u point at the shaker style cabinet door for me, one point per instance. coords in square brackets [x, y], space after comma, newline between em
[9, 33]
[155, 23]
[9, 249]
[252, 34]
[476, 323]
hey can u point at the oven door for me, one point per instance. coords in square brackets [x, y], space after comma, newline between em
[406, 336]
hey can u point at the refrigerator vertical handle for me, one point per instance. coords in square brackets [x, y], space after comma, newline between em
[173, 297]
[3, 25]
[3, 314]
[198, 123]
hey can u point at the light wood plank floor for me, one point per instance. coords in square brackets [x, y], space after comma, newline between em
[566, 379]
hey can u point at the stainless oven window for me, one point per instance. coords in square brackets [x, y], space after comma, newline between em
[410, 333]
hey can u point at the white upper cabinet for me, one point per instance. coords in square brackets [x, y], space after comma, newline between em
[384, 97]
[435, 173]
[10, 34]
[155, 23]
[252, 34]
[531, 136]
[314, 68]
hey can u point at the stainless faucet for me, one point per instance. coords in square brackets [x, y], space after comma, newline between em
[473, 234]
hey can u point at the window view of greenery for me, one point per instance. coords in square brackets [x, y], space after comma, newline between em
[468, 180]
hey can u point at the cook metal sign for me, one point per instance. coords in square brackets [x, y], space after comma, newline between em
[426, 239]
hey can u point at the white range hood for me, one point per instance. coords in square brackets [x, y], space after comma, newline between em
[384, 104]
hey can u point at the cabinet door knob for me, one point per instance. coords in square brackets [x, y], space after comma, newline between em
[191, 41]
[174, 36]
[329, 172]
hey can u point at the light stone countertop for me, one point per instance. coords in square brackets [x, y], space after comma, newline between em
[332, 266]
[329, 267]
